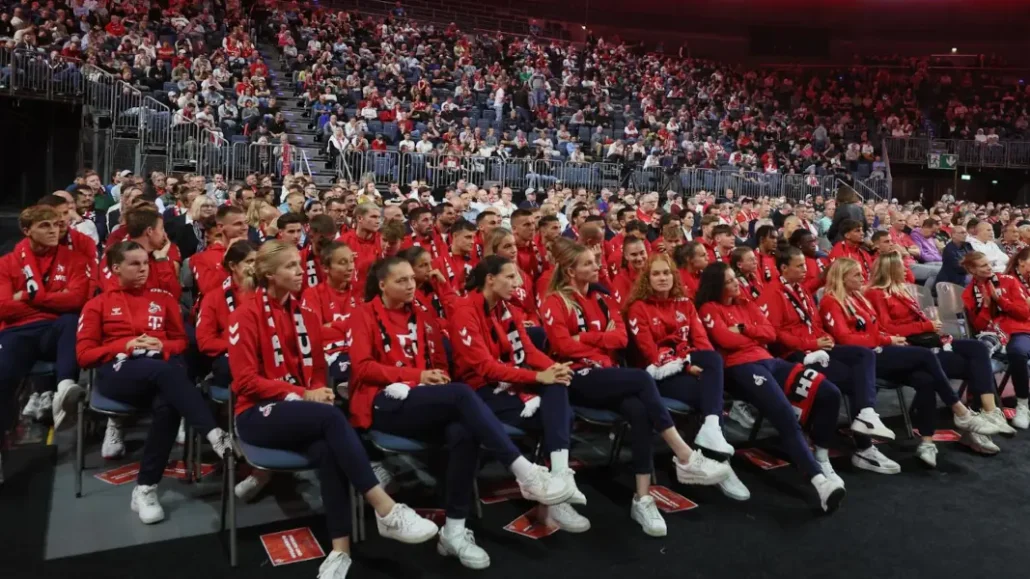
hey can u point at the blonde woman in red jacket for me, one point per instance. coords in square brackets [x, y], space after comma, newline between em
[668, 339]
[741, 334]
[279, 379]
[134, 336]
[399, 385]
[852, 321]
[585, 329]
[968, 359]
[525, 388]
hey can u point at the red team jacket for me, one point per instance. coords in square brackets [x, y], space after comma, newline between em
[738, 348]
[479, 339]
[366, 253]
[162, 275]
[369, 373]
[249, 381]
[1010, 312]
[845, 323]
[655, 323]
[213, 319]
[334, 309]
[208, 273]
[896, 313]
[114, 318]
[64, 291]
[792, 333]
[596, 345]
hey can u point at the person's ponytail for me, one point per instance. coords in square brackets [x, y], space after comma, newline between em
[489, 265]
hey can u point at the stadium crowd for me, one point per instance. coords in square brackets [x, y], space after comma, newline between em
[448, 316]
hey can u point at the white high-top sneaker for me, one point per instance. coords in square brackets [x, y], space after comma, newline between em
[114, 444]
[145, 503]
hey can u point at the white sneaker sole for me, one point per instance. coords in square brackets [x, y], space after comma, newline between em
[859, 462]
[834, 500]
[978, 448]
[112, 456]
[558, 499]
[409, 540]
[135, 509]
[65, 404]
[735, 496]
[469, 563]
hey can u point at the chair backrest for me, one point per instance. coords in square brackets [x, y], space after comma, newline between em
[952, 310]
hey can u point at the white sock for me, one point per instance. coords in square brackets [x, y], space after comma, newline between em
[1022, 401]
[712, 420]
[822, 454]
[452, 526]
[521, 468]
[560, 460]
[215, 434]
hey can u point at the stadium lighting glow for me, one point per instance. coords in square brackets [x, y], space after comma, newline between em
[967, 177]
[954, 50]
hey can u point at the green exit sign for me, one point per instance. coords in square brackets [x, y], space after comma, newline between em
[945, 161]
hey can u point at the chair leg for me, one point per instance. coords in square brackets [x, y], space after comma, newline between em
[355, 534]
[361, 518]
[230, 467]
[80, 435]
[905, 413]
[225, 500]
[187, 457]
[756, 428]
[613, 453]
[475, 498]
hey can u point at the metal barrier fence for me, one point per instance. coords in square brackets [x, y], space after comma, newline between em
[32, 73]
[262, 158]
[387, 167]
[197, 149]
[99, 94]
[1003, 154]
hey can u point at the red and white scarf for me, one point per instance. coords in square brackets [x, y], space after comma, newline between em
[272, 355]
[287, 166]
[978, 297]
[406, 346]
[799, 301]
[506, 345]
[37, 281]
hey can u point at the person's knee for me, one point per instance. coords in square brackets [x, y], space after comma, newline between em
[706, 360]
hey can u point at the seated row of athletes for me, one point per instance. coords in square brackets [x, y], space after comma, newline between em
[450, 348]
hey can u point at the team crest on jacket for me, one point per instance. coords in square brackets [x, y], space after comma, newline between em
[154, 308]
[116, 312]
[680, 318]
[759, 380]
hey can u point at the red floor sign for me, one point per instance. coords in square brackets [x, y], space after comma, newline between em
[942, 435]
[119, 476]
[292, 546]
[438, 516]
[529, 525]
[176, 469]
[498, 491]
[669, 501]
[762, 459]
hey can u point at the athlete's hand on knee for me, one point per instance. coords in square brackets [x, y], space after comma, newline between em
[434, 377]
[321, 395]
[899, 341]
[695, 371]
[824, 342]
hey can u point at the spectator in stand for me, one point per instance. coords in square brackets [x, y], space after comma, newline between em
[982, 241]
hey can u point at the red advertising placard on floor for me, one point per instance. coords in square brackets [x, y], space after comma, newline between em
[943, 435]
[498, 491]
[292, 546]
[669, 501]
[176, 469]
[119, 476]
[529, 525]
[762, 459]
[438, 516]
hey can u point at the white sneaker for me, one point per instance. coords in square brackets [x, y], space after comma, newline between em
[644, 511]
[221, 442]
[997, 417]
[114, 444]
[544, 488]
[980, 443]
[144, 502]
[827, 469]
[701, 470]
[32, 406]
[927, 452]
[831, 492]
[873, 460]
[974, 422]
[1022, 418]
[569, 476]
[742, 413]
[567, 519]
[733, 488]
[46, 405]
[405, 525]
[462, 545]
[710, 436]
[335, 566]
[868, 422]
[180, 438]
[65, 403]
[384, 476]
[249, 488]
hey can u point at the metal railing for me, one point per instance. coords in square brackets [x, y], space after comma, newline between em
[387, 167]
[197, 149]
[32, 73]
[1002, 154]
[263, 159]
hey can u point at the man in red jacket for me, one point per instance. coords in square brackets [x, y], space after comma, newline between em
[852, 245]
[423, 234]
[43, 285]
[364, 240]
[458, 263]
[530, 257]
[207, 265]
[146, 227]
